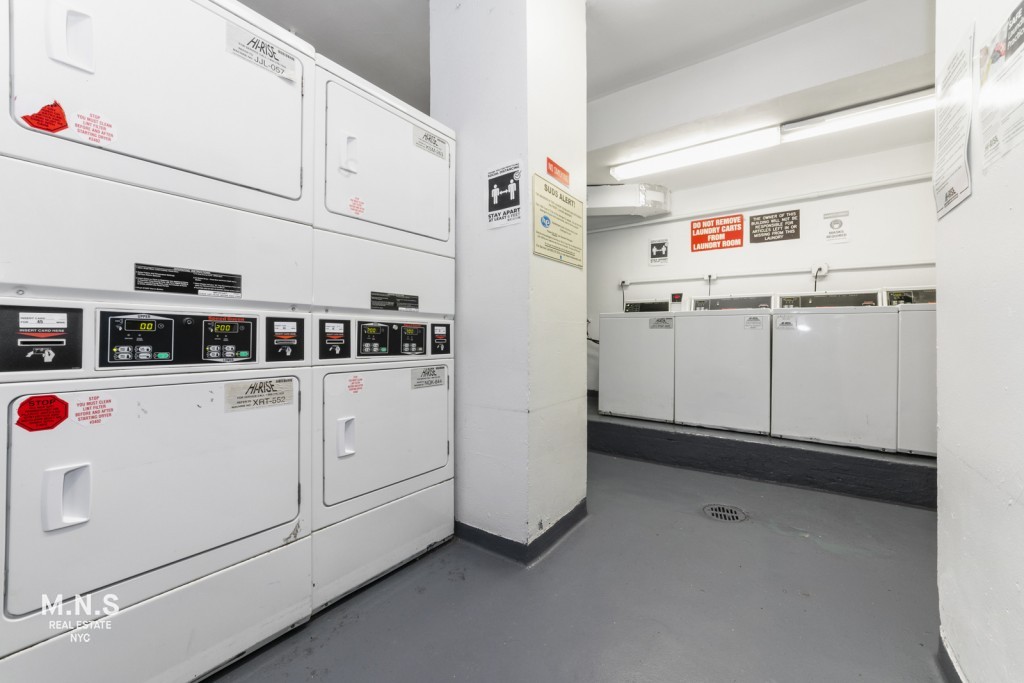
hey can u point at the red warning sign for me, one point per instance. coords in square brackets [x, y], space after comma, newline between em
[50, 118]
[355, 384]
[720, 232]
[39, 413]
[557, 172]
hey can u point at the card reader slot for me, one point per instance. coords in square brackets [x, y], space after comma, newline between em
[42, 342]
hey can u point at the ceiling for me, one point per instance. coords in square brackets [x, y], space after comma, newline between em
[631, 41]
[384, 41]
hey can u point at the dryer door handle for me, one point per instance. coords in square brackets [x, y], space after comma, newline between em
[349, 153]
[346, 431]
[70, 36]
[67, 496]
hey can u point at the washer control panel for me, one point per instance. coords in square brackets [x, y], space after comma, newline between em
[133, 338]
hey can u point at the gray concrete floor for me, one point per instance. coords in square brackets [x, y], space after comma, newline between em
[815, 587]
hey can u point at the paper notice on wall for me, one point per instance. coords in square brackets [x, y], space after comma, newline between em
[504, 196]
[659, 252]
[951, 176]
[557, 223]
[837, 227]
[1001, 93]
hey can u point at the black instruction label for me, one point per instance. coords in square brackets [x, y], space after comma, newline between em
[384, 301]
[150, 278]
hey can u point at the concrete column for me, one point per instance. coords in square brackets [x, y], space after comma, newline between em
[981, 371]
[510, 77]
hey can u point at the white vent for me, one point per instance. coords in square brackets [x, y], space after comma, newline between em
[634, 199]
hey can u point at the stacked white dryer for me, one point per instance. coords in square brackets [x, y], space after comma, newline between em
[384, 302]
[154, 325]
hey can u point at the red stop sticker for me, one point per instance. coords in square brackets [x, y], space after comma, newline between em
[50, 118]
[39, 413]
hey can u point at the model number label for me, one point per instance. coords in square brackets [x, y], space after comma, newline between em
[428, 377]
[258, 393]
[260, 52]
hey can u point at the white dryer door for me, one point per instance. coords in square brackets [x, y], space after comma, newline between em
[174, 83]
[138, 478]
[382, 167]
[382, 427]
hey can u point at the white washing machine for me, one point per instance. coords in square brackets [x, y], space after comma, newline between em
[917, 430]
[637, 365]
[157, 507]
[200, 99]
[382, 458]
[723, 369]
[834, 375]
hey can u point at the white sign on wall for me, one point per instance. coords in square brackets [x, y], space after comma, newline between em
[837, 227]
[659, 252]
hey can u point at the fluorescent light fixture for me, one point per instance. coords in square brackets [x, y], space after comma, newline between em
[698, 154]
[859, 116]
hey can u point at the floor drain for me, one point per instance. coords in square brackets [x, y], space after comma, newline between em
[725, 513]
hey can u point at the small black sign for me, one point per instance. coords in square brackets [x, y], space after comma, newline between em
[171, 280]
[40, 338]
[773, 227]
[285, 340]
[384, 301]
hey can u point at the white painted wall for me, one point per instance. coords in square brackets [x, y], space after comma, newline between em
[891, 227]
[867, 36]
[981, 397]
[557, 91]
[510, 78]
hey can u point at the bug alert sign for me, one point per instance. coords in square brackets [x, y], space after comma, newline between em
[720, 232]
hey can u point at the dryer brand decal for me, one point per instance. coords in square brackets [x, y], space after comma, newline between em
[93, 410]
[50, 118]
[660, 323]
[258, 393]
[785, 322]
[39, 413]
[428, 377]
[93, 128]
[429, 142]
[753, 322]
[262, 53]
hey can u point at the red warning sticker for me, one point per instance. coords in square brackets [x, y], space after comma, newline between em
[356, 206]
[355, 384]
[50, 118]
[94, 128]
[93, 410]
[39, 413]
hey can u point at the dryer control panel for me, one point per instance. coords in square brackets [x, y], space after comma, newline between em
[382, 338]
[133, 338]
[391, 339]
